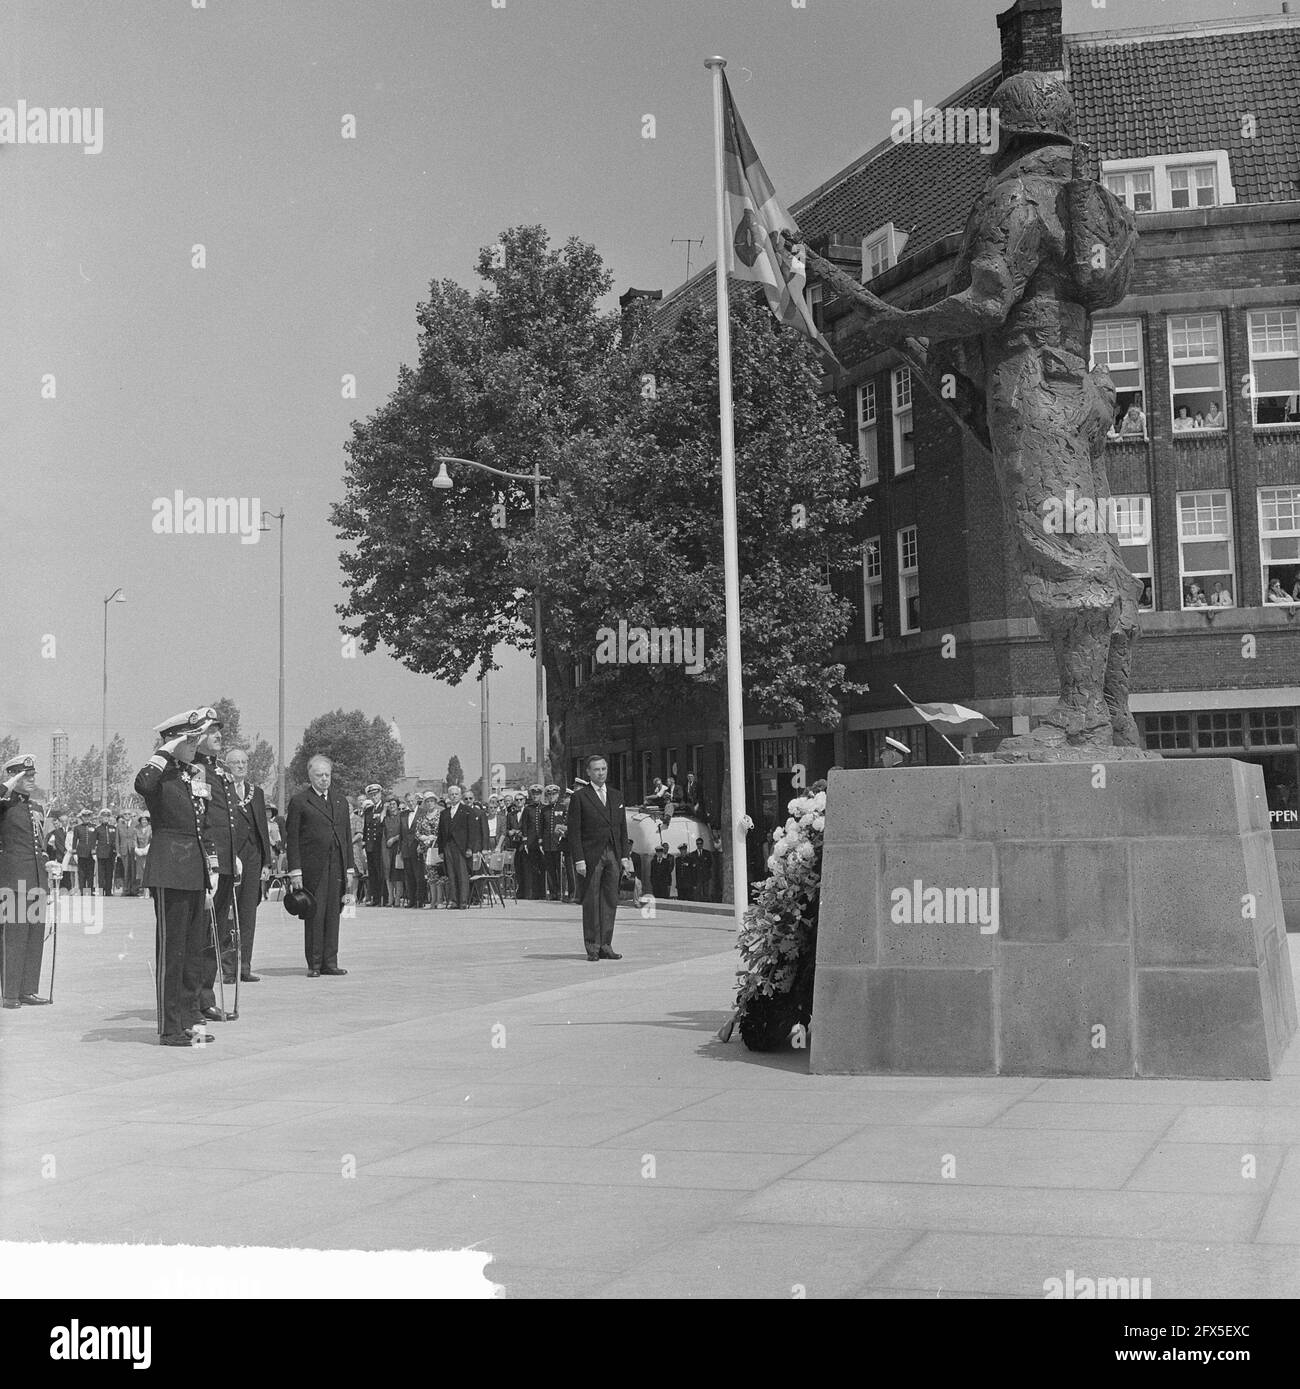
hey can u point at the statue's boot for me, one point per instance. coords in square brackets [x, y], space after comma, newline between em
[1119, 665]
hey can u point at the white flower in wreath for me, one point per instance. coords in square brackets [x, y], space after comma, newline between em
[819, 801]
[807, 852]
[819, 823]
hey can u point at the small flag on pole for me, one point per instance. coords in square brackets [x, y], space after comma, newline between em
[956, 718]
[755, 219]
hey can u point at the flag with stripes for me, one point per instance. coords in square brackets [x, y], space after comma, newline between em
[755, 217]
[955, 717]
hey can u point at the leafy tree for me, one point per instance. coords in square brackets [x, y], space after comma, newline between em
[622, 418]
[9, 747]
[261, 755]
[455, 773]
[361, 752]
[83, 774]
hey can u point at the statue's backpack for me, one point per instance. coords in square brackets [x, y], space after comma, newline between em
[1103, 239]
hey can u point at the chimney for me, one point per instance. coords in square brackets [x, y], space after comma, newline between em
[1031, 37]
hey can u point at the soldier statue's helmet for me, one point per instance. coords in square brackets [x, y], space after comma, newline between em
[1033, 103]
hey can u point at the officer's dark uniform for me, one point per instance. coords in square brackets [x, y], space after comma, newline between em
[105, 852]
[661, 876]
[533, 824]
[372, 841]
[83, 842]
[176, 875]
[22, 896]
[554, 829]
[223, 836]
[685, 878]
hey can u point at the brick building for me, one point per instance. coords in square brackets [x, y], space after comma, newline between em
[1196, 127]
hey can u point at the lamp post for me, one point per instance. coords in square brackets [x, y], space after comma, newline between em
[279, 752]
[117, 596]
[443, 482]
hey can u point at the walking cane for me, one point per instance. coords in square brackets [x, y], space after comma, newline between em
[216, 950]
[239, 947]
[160, 949]
[52, 911]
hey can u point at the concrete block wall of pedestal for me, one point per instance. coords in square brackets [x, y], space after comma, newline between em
[1140, 926]
[1286, 847]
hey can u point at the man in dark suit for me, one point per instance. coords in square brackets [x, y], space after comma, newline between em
[460, 834]
[661, 873]
[252, 853]
[83, 840]
[601, 848]
[685, 875]
[702, 862]
[319, 848]
[179, 872]
[105, 851]
[372, 839]
[534, 823]
[553, 832]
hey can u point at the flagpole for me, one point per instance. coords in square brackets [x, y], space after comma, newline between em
[730, 545]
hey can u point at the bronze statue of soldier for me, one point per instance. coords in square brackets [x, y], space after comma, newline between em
[1044, 246]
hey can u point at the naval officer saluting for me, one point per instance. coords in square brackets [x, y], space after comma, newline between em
[22, 885]
[179, 872]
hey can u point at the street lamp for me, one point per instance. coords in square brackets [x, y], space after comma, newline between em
[117, 596]
[279, 785]
[444, 483]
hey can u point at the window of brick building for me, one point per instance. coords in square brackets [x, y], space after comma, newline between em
[1168, 732]
[1205, 560]
[1279, 543]
[1117, 346]
[815, 295]
[868, 443]
[904, 458]
[1196, 373]
[873, 589]
[1274, 336]
[1219, 730]
[1134, 536]
[881, 250]
[909, 582]
[1136, 187]
[1273, 728]
[1193, 185]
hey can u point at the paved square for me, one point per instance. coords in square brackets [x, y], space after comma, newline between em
[474, 1081]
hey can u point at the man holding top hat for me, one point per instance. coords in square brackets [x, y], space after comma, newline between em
[22, 885]
[180, 871]
[319, 840]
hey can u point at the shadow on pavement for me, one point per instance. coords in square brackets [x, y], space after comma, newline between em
[138, 1035]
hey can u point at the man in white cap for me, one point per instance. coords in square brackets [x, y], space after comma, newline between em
[372, 840]
[180, 871]
[22, 885]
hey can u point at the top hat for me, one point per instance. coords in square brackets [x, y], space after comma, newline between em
[299, 902]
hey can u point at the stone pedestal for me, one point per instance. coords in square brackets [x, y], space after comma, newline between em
[1286, 846]
[1109, 919]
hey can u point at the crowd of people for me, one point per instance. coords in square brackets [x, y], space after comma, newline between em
[208, 849]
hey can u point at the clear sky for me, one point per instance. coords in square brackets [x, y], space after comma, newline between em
[222, 126]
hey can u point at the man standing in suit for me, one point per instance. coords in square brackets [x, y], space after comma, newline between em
[319, 839]
[372, 838]
[533, 823]
[460, 834]
[253, 854]
[83, 840]
[661, 873]
[105, 851]
[179, 873]
[22, 885]
[552, 840]
[601, 847]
